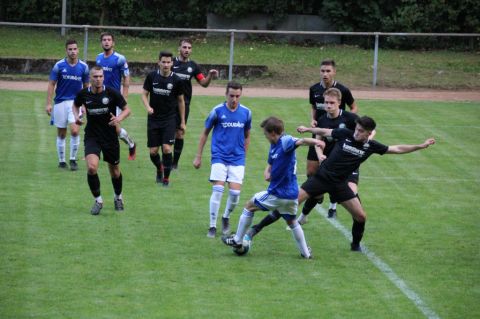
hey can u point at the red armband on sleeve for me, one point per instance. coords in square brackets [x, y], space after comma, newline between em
[200, 77]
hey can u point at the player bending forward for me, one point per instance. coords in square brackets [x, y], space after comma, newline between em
[282, 192]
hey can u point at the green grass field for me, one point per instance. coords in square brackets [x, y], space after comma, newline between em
[154, 260]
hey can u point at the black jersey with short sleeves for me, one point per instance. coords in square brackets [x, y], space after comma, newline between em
[164, 91]
[344, 119]
[347, 155]
[100, 107]
[318, 102]
[186, 71]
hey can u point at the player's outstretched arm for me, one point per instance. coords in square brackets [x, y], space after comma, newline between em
[405, 148]
[315, 130]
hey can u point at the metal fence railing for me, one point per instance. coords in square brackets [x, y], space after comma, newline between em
[232, 32]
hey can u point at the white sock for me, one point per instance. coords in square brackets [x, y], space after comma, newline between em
[117, 196]
[61, 149]
[301, 218]
[74, 143]
[243, 224]
[232, 201]
[99, 199]
[333, 206]
[299, 237]
[215, 199]
[126, 138]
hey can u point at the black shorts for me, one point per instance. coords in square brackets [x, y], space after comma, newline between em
[317, 185]
[110, 150]
[312, 154]
[161, 134]
[187, 112]
[354, 177]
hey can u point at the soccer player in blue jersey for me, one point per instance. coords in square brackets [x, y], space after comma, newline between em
[282, 192]
[67, 77]
[163, 98]
[231, 123]
[187, 69]
[115, 68]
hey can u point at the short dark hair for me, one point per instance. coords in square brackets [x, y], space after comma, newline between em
[106, 34]
[96, 68]
[273, 124]
[328, 62]
[333, 92]
[166, 54]
[70, 41]
[366, 122]
[234, 86]
[186, 40]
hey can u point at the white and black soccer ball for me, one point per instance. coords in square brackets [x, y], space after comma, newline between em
[245, 248]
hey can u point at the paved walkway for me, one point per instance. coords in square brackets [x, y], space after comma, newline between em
[378, 94]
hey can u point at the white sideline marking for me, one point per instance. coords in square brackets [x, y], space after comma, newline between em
[384, 268]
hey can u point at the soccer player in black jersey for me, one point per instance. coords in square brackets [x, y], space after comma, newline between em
[187, 69]
[163, 98]
[317, 102]
[100, 103]
[351, 149]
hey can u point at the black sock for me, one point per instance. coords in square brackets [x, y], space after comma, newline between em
[357, 232]
[117, 184]
[177, 150]
[156, 161]
[310, 204]
[94, 184]
[267, 220]
[167, 164]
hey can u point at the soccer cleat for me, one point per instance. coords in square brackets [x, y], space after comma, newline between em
[97, 207]
[118, 204]
[165, 182]
[355, 247]
[132, 152]
[225, 226]
[251, 232]
[212, 232]
[230, 241]
[332, 213]
[159, 178]
[62, 165]
[310, 256]
[73, 165]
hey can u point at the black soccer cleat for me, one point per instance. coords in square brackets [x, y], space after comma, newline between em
[62, 165]
[310, 256]
[332, 213]
[355, 247]
[230, 241]
[97, 207]
[212, 232]
[73, 165]
[118, 203]
[225, 226]
[165, 182]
